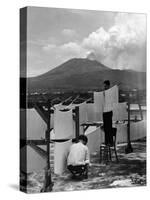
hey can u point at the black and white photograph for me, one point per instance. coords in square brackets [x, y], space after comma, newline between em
[83, 109]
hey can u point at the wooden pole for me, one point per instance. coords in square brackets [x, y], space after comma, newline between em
[129, 148]
[77, 125]
[140, 109]
[48, 182]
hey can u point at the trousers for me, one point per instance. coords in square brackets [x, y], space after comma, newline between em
[78, 170]
[107, 121]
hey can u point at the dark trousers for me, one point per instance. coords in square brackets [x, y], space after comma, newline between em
[107, 120]
[79, 170]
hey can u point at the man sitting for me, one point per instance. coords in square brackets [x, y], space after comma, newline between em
[78, 158]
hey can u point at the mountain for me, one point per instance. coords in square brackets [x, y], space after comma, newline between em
[83, 74]
[75, 66]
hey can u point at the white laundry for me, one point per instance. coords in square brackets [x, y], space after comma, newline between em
[137, 130]
[120, 111]
[63, 124]
[91, 115]
[58, 106]
[70, 106]
[61, 151]
[121, 133]
[82, 112]
[111, 97]
[98, 105]
[103, 102]
[95, 139]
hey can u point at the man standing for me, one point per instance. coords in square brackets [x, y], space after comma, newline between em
[107, 116]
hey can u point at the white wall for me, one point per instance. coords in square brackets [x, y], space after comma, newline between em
[35, 127]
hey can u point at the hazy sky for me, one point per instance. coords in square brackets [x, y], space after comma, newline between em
[54, 36]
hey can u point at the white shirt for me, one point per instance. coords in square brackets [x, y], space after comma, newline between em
[78, 154]
[110, 98]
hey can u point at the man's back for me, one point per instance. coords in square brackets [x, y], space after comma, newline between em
[78, 154]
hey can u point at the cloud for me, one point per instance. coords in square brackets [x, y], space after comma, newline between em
[65, 51]
[96, 42]
[69, 33]
[49, 47]
[73, 49]
[123, 45]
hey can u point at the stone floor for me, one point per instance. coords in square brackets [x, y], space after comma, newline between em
[129, 172]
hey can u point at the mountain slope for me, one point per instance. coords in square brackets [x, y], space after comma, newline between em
[74, 66]
[84, 74]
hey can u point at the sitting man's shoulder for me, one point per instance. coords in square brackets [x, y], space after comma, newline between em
[84, 147]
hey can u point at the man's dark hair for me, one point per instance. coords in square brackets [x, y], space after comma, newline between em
[107, 82]
[83, 138]
[74, 140]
